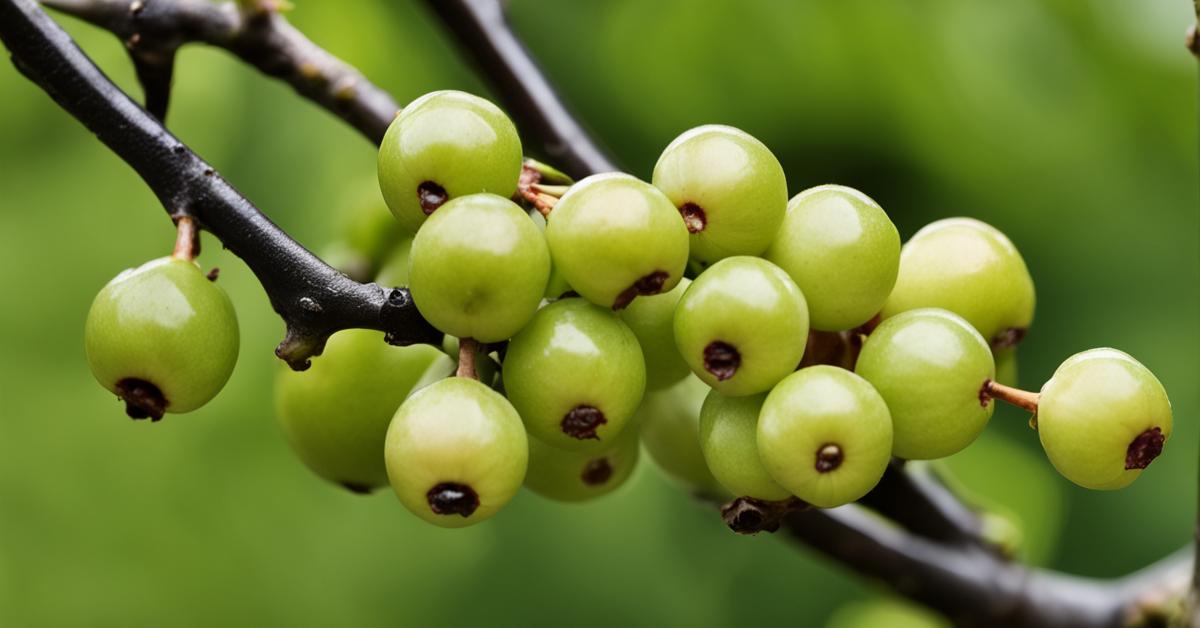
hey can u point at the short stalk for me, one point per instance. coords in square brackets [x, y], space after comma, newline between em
[187, 239]
[1017, 397]
[468, 348]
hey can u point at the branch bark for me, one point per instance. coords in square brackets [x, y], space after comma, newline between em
[313, 299]
[934, 556]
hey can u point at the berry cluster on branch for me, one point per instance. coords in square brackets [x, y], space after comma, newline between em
[937, 555]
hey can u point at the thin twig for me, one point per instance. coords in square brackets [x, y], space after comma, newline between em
[187, 239]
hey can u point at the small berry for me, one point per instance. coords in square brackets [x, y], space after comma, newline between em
[843, 252]
[162, 337]
[728, 187]
[728, 438]
[669, 421]
[742, 325]
[576, 375]
[652, 320]
[825, 435]
[929, 365]
[456, 452]
[615, 238]
[572, 476]
[444, 145]
[478, 268]
[1102, 418]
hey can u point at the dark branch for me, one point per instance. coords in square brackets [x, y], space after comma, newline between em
[975, 587]
[313, 299]
[260, 37]
[481, 31]
[920, 503]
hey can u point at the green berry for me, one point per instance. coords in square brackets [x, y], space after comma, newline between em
[335, 415]
[742, 325]
[728, 438]
[652, 320]
[1007, 369]
[842, 250]
[456, 452]
[728, 187]
[444, 145]
[162, 337]
[575, 374]
[1102, 418]
[669, 422]
[614, 238]
[573, 476]
[478, 268]
[970, 268]
[930, 367]
[825, 435]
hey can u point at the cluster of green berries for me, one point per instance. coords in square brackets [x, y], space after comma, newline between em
[691, 314]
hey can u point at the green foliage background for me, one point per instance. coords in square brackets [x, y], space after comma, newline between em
[1068, 124]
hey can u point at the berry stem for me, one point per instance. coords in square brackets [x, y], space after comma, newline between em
[1008, 394]
[468, 348]
[187, 239]
[542, 197]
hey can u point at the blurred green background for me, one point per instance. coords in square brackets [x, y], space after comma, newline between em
[1068, 124]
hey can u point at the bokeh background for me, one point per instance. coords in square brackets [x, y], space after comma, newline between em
[1069, 124]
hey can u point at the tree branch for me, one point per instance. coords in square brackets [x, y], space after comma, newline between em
[260, 37]
[313, 299]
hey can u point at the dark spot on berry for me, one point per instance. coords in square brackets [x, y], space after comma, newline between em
[1144, 449]
[596, 472]
[694, 217]
[582, 422]
[432, 196]
[721, 359]
[647, 285]
[356, 488]
[450, 498]
[142, 399]
[985, 393]
[1010, 337]
[829, 457]
[213, 274]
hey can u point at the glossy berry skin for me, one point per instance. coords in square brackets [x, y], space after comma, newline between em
[929, 365]
[843, 252]
[575, 476]
[652, 320]
[1102, 418]
[444, 145]
[669, 422]
[825, 435]
[478, 268]
[728, 438]
[970, 268]
[335, 415]
[742, 326]
[728, 186]
[614, 238]
[456, 452]
[162, 337]
[575, 374]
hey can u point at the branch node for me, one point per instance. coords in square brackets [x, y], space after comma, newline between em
[747, 515]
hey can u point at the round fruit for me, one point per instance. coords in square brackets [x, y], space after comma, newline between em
[575, 374]
[478, 268]
[335, 415]
[970, 268]
[930, 365]
[652, 320]
[573, 476]
[842, 250]
[728, 438]
[614, 238]
[742, 325]
[162, 337]
[456, 452]
[669, 422]
[1102, 418]
[444, 145]
[728, 187]
[825, 435]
